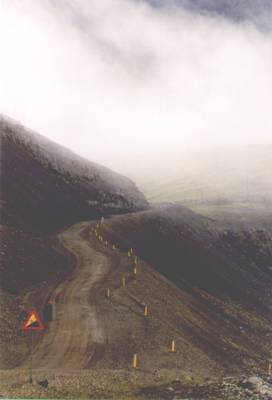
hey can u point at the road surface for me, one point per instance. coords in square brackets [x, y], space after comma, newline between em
[75, 338]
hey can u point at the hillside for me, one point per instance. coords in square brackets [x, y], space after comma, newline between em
[46, 187]
[222, 300]
[206, 280]
[216, 176]
[218, 311]
[194, 251]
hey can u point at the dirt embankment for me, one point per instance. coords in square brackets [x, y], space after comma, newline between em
[93, 332]
[31, 266]
[213, 335]
[219, 316]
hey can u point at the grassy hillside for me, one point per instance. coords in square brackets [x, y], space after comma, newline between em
[213, 176]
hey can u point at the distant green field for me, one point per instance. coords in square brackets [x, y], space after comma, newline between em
[221, 176]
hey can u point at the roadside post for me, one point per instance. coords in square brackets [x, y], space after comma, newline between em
[173, 346]
[48, 312]
[135, 361]
[32, 323]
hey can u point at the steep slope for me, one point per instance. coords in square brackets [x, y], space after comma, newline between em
[214, 332]
[219, 314]
[45, 186]
[30, 267]
[27, 260]
[221, 303]
[194, 251]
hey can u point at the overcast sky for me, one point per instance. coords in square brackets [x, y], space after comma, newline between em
[114, 78]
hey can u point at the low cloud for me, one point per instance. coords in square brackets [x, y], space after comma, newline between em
[258, 12]
[114, 78]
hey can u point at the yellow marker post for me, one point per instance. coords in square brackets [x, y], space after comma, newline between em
[269, 367]
[135, 270]
[128, 253]
[123, 281]
[131, 251]
[135, 361]
[145, 311]
[108, 292]
[173, 346]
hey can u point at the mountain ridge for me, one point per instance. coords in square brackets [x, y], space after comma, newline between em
[51, 180]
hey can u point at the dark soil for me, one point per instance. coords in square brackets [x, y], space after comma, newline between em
[193, 251]
[45, 187]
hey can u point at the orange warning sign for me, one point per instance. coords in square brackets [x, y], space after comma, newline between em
[33, 322]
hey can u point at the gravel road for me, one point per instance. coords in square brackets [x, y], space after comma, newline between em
[75, 338]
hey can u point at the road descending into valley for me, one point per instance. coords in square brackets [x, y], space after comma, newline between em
[75, 338]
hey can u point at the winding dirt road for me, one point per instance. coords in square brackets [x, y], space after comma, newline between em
[75, 337]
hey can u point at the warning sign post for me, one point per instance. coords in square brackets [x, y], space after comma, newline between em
[32, 323]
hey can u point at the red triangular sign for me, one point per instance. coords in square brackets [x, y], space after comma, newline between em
[33, 322]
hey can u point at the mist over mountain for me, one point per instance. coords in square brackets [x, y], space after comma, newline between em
[174, 95]
[206, 283]
[224, 175]
[45, 186]
[258, 12]
[200, 76]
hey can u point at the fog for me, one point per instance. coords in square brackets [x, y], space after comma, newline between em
[122, 82]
